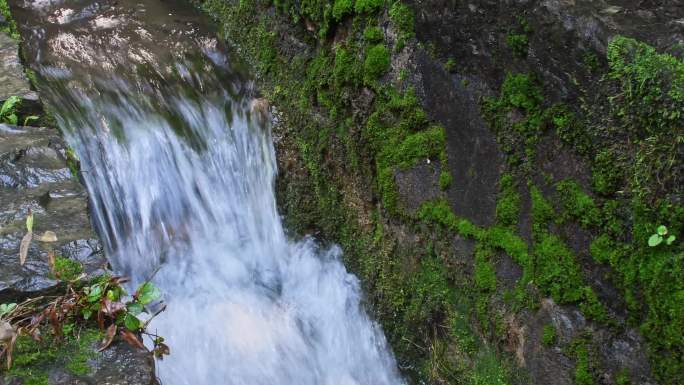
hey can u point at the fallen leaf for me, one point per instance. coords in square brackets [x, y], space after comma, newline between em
[10, 348]
[6, 331]
[48, 236]
[109, 336]
[132, 339]
[24, 246]
[111, 308]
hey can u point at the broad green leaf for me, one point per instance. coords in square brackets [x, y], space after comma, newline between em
[5, 308]
[12, 119]
[10, 105]
[87, 313]
[135, 308]
[147, 293]
[29, 222]
[670, 239]
[662, 230]
[131, 322]
[655, 240]
[95, 293]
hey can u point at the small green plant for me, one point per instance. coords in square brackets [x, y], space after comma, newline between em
[659, 236]
[7, 308]
[445, 180]
[342, 8]
[8, 111]
[518, 43]
[377, 62]
[368, 6]
[450, 65]
[373, 35]
[549, 335]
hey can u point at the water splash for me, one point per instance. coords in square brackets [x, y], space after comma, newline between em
[181, 179]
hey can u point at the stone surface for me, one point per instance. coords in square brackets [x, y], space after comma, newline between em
[120, 364]
[34, 175]
[13, 81]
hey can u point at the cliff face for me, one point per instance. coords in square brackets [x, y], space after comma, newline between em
[494, 171]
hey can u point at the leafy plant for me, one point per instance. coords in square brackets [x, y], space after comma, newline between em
[7, 308]
[659, 236]
[8, 111]
[102, 302]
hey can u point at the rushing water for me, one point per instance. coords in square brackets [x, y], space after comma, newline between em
[180, 175]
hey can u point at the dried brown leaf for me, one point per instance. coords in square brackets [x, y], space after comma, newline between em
[131, 338]
[10, 348]
[111, 308]
[48, 236]
[24, 246]
[7, 332]
[161, 349]
[108, 338]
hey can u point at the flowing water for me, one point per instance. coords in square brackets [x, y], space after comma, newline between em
[181, 180]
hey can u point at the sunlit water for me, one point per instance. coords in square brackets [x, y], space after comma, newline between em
[181, 180]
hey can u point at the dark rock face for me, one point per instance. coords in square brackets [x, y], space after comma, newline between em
[120, 364]
[12, 77]
[474, 157]
[35, 176]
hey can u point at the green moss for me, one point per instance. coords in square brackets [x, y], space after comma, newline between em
[33, 360]
[583, 363]
[342, 8]
[577, 204]
[67, 269]
[377, 62]
[518, 43]
[368, 6]
[508, 203]
[402, 19]
[373, 35]
[653, 103]
[606, 172]
[485, 276]
[549, 335]
[450, 65]
[11, 26]
[445, 180]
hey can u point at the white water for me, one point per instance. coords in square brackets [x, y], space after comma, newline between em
[245, 305]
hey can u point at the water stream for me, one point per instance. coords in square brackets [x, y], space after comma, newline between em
[181, 177]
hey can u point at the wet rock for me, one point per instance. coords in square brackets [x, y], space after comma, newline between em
[475, 160]
[418, 185]
[120, 364]
[34, 175]
[12, 77]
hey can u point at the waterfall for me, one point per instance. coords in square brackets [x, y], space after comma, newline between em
[180, 175]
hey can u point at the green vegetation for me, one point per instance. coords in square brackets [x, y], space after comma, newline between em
[403, 20]
[32, 359]
[368, 6]
[518, 43]
[67, 269]
[342, 8]
[549, 335]
[11, 27]
[508, 204]
[423, 298]
[377, 62]
[450, 65]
